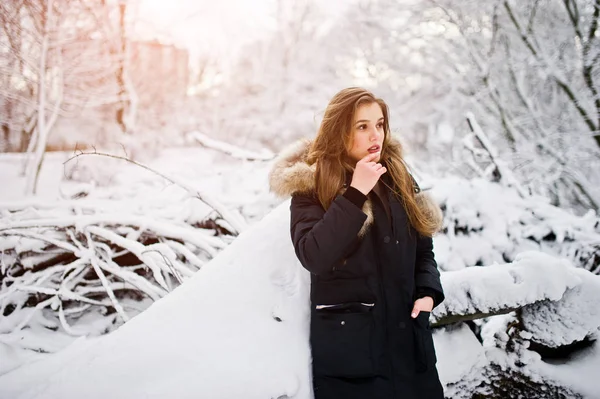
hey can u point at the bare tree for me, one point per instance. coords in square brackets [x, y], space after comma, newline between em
[61, 60]
[534, 69]
[527, 71]
[128, 104]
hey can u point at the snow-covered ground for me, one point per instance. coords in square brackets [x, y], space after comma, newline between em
[236, 183]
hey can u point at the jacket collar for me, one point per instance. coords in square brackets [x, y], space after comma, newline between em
[290, 174]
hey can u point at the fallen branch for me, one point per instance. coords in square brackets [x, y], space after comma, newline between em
[229, 149]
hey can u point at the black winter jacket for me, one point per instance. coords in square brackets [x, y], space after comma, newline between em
[366, 274]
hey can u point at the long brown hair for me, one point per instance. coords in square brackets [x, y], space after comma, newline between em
[330, 149]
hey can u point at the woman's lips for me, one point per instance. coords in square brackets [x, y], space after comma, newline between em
[374, 149]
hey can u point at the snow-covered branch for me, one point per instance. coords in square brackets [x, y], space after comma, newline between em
[61, 259]
[234, 219]
[505, 175]
[236, 152]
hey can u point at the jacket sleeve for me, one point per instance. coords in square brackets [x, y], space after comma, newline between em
[427, 275]
[321, 238]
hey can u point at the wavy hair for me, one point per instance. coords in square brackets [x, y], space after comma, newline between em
[330, 152]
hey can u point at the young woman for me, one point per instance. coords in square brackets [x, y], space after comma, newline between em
[361, 226]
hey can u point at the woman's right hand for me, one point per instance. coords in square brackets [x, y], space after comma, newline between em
[367, 173]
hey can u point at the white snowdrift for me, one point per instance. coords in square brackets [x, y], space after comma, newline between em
[216, 336]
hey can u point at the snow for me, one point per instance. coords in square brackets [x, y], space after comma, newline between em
[532, 277]
[558, 305]
[461, 370]
[217, 335]
[122, 192]
[214, 336]
[580, 373]
[11, 168]
[236, 152]
[240, 185]
[487, 223]
[575, 317]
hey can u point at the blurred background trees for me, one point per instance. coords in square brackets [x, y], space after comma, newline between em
[76, 71]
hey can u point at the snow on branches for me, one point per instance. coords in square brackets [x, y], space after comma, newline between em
[536, 308]
[487, 223]
[75, 255]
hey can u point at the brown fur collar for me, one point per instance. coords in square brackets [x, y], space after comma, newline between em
[291, 174]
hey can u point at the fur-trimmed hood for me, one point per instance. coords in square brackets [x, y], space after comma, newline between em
[291, 174]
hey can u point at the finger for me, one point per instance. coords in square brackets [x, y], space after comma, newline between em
[414, 313]
[382, 170]
[369, 157]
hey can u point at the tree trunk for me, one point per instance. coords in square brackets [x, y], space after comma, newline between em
[35, 164]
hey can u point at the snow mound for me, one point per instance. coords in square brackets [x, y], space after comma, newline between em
[238, 328]
[461, 370]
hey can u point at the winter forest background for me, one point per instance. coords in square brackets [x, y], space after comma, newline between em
[136, 138]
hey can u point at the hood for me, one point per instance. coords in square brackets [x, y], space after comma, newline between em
[291, 174]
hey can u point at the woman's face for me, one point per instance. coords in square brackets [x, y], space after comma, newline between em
[367, 132]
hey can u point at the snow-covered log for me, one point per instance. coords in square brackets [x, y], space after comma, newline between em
[229, 149]
[477, 292]
[539, 311]
[557, 302]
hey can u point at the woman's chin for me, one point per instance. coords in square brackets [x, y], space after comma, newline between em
[357, 158]
[377, 157]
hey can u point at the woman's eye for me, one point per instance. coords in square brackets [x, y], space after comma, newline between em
[380, 125]
[362, 127]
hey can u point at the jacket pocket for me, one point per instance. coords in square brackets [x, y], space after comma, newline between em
[341, 340]
[425, 357]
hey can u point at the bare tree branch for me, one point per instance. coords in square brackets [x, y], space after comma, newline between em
[234, 220]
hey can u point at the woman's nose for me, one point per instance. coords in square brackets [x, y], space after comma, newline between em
[375, 133]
